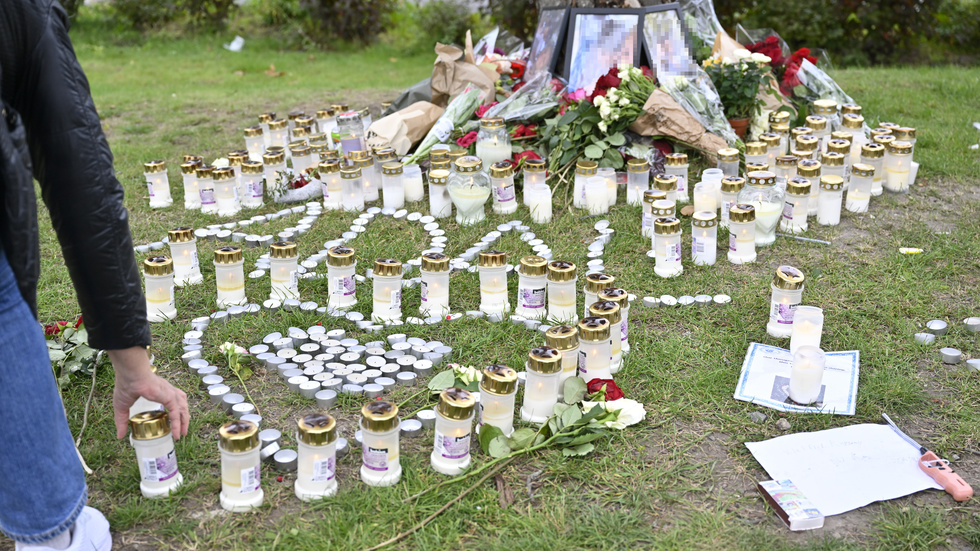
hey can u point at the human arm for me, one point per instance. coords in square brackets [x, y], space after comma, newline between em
[134, 378]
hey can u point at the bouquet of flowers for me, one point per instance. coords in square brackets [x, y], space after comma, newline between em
[738, 80]
[459, 110]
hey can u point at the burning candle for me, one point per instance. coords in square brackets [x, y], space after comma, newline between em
[274, 166]
[440, 204]
[252, 177]
[806, 377]
[543, 369]
[704, 197]
[637, 180]
[768, 200]
[155, 455]
[594, 284]
[158, 272]
[502, 185]
[831, 192]
[785, 169]
[535, 174]
[188, 172]
[493, 282]
[278, 134]
[678, 165]
[796, 207]
[596, 195]
[564, 338]
[454, 424]
[183, 250]
[302, 157]
[704, 238]
[811, 169]
[538, 199]
[667, 247]
[807, 327]
[157, 184]
[283, 271]
[387, 276]
[620, 297]
[469, 189]
[610, 311]
[498, 388]
[229, 276]
[226, 197]
[340, 274]
[741, 234]
[316, 462]
[492, 141]
[874, 154]
[380, 426]
[594, 349]
[561, 292]
[787, 293]
[435, 285]
[859, 192]
[531, 287]
[353, 191]
[584, 169]
[392, 185]
[609, 175]
[412, 182]
[370, 182]
[241, 488]
[898, 164]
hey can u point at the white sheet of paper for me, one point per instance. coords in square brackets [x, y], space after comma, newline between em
[842, 469]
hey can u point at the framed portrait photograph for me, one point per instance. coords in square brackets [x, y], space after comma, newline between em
[599, 40]
[548, 40]
[665, 40]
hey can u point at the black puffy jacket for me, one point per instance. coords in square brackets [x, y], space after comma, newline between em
[49, 122]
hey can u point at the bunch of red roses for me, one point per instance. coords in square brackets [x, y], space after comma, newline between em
[789, 79]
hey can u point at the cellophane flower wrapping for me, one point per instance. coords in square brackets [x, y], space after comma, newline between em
[695, 93]
[537, 97]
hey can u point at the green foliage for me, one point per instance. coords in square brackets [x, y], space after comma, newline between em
[349, 20]
[70, 353]
[142, 15]
[957, 25]
[207, 14]
[738, 86]
[444, 21]
[520, 17]
[71, 6]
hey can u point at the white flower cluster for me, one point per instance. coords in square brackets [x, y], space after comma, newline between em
[628, 72]
[742, 54]
[466, 374]
[625, 412]
[609, 107]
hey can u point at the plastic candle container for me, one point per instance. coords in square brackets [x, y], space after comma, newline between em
[535, 174]
[498, 388]
[905, 134]
[594, 349]
[226, 192]
[794, 219]
[352, 199]
[898, 163]
[741, 234]
[492, 141]
[785, 169]
[188, 173]
[283, 257]
[387, 290]
[611, 312]
[561, 292]
[771, 141]
[383, 156]
[730, 186]
[274, 164]
[154, 446]
[440, 204]
[782, 130]
[885, 140]
[316, 462]
[254, 143]
[538, 200]
[302, 157]
[340, 275]
[241, 488]
[620, 297]
[854, 124]
[806, 377]
[787, 293]
[596, 195]
[205, 188]
[811, 170]
[183, 250]
[392, 185]
[158, 272]
[584, 169]
[264, 120]
[370, 182]
[229, 276]
[595, 283]
[821, 130]
[469, 189]
[291, 119]
[412, 182]
[612, 188]
[252, 178]
[235, 160]
[157, 184]
[676, 164]
[874, 154]
[828, 109]
[493, 282]
[502, 185]
[667, 246]
[333, 187]
[795, 134]
[762, 193]
[532, 281]
[859, 192]
[543, 370]
[435, 285]
[278, 134]
[350, 129]
[637, 180]
[454, 425]
[704, 238]
[831, 193]
[380, 464]
[667, 183]
[326, 122]
[756, 152]
[832, 164]
[807, 327]
[778, 117]
[850, 108]
[728, 161]
[753, 166]
[649, 198]
[564, 338]
[840, 147]
[704, 197]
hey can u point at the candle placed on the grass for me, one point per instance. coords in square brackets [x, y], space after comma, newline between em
[341, 264]
[807, 327]
[541, 386]
[158, 272]
[229, 275]
[316, 462]
[380, 462]
[561, 292]
[434, 288]
[806, 376]
[454, 424]
[741, 234]
[154, 446]
[157, 184]
[183, 250]
[283, 271]
[704, 238]
[498, 388]
[387, 276]
[787, 293]
[492, 266]
[353, 190]
[241, 488]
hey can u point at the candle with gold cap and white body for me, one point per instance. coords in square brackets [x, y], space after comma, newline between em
[454, 426]
[785, 169]
[594, 349]
[229, 276]
[885, 140]
[756, 152]
[283, 271]
[278, 134]
[898, 164]
[226, 195]
[584, 169]
[667, 246]
[302, 157]
[787, 293]
[831, 193]
[637, 180]
[608, 174]
[253, 189]
[291, 120]
[158, 274]
[821, 130]
[874, 154]
[827, 108]
[183, 250]
[795, 134]
[543, 370]
[380, 454]
[535, 173]
[206, 189]
[316, 461]
[440, 204]
[392, 185]
[704, 238]
[728, 161]
[333, 186]
[667, 183]
[274, 166]
[650, 196]
[755, 166]
[796, 208]
[498, 390]
[492, 266]
[504, 191]
[469, 188]
[704, 197]
[236, 159]
[761, 192]
[264, 120]
[859, 192]
[730, 186]
[435, 285]
[370, 181]
[157, 184]
[620, 297]
[771, 141]
[188, 174]
[241, 467]
[492, 141]
[832, 164]
[538, 200]
[677, 165]
[341, 264]
[564, 338]
[352, 184]
[155, 454]
[562, 292]
[741, 234]
[532, 282]
[387, 295]
[611, 312]
[781, 129]
[842, 147]
[326, 123]
[594, 283]
[853, 123]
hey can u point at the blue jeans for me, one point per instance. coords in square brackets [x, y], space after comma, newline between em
[42, 484]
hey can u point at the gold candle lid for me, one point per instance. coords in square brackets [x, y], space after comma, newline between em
[223, 173]
[732, 184]
[863, 170]
[593, 329]
[158, 265]
[301, 132]
[900, 148]
[651, 195]
[435, 262]
[832, 158]
[786, 161]
[456, 153]
[468, 164]
[839, 146]
[665, 182]
[501, 169]
[779, 116]
[761, 178]
[379, 416]
[586, 168]
[273, 157]
[817, 122]
[359, 154]
[757, 148]
[798, 186]
[637, 165]
[492, 122]
[880, 131]
[544, 360]
[756, 167]
[278, 124]
[873, 150]
[676, 159]
[316, 429]
[329, 167]
[788, 278]
[387, 267]
[617, 295]
[363, 163]
[781, 128]
[330, 155]
[446, 165]
[561, 270]
[807, 142]
[340, 256]
[149, 425]
[562, 337]
[238, 436]
[283, 249]
[182, 234]
[267, 117]
[205, 172]
[456, 404]
[498, 379]
[771, 139]
[228, 255]
[252, 167]
[663, 207]
[350, 173]
[801, 131]
[385, 154]
[607, 310]
[305, 120]
[904, 133]
[728, 154]
[152, 167]
[439, 155]
[803, 153]
[808, 168]
[841, 135]
[492, 259]
[301, 150]
[535, 165]
[889, 125]
[704, 219]
[438, 177]
[324, 113]
[825, 107]
[534, 266]
[884, 139]
[189, 167]
[293, 115]
[392, 169]
[831, 182]
[666, 225]
[596, 282]
[852, 120]
[850, 109]
[742, 212]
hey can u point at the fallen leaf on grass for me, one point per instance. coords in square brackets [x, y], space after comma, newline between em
[240, 73]
[272, 72]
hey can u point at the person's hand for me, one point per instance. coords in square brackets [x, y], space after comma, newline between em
[134, 378]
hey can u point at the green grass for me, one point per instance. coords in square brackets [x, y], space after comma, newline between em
[680, 480]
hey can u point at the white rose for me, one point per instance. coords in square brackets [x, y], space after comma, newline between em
[604, 110]
[599, 101]
[603, 126]
[220, 162]
[742, 53]
[628, 412]
[727, 60]
[226, 347]
[624, 102]
[760, 58]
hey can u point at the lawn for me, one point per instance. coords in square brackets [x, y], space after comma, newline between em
[683, 478]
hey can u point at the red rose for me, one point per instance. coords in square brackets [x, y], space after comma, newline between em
[647, 72]
[78, 322]
[803, 52]
[607, 387]
[516, 70]
[55, 328]
[467, 139]
[528, 154]
[517, 86]
[771, 40]
[482, 110]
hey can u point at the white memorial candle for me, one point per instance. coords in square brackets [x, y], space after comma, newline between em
[806, 377]
[807, 327]
[543, 369]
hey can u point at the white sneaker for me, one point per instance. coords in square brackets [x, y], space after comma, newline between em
[90, 532]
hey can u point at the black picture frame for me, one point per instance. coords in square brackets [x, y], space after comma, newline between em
[549, 37]
[598, 67]
[665, 11]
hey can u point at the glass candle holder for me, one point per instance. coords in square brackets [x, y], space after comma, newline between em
[785, 169]
[492, 266]
[620, 297]
[316, 461]
[806, 377]
[254, 143]
[241, 466]
[302, 158]
[380, 427]
[532, 281]
[666, 183]
[596, 195]
[226, 192]
[704, 238]
[252, 184]
[741, 234]
[229, 276]
[350, 131]
[874, 154]
[761, 192]
[787, 293]
[728, 161]
[157, 184]
[440, 204]
[278, 134]
[821, 130]
[387, 290]
[392, 186]
[370, 182]
[797, 206]
[831, 193]
[637, 180]
[435, 285]
[264, 120]
[454, 425]
[811, 170]
[826, 108]
[205, 188]
[612, 189]
[502, 185]
[412, 182]
[730, 186]
[353, 190]
[584, 169]
[756, 152]
[543, 369]
[677, 165]
[594, 349]
[611, 312]
[807, 327]
[771, 141]
[332, 183]
[183, 250]
[155, 455]
[538, 200]
[859, 192]
[498, 388]
[535, 174]
[469, 189]
[704, 197]
[594, 284]
[492, 141]
[564, 338]
[188, 173]
[667, 246]
[283, 271]
[898, 164]
[341, 264]
[649, 198]
[326, 123]
[158, 273]
[274, 167]
[561, 292]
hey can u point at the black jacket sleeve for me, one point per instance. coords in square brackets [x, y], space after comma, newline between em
[73, 164]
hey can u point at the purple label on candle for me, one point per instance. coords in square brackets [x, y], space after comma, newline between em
[672, 252]
[149, 187]
[732, 241]
[344, 286]
[581, 361]
[425, 291]
[452, 447]
[324, 469]
[504, 194]
[207, 196]
[158, 469]
[783, 313]
[624, 327]
[375, 459]
[257, 188]
[532, 298]
[351, 144]
[788, 210]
